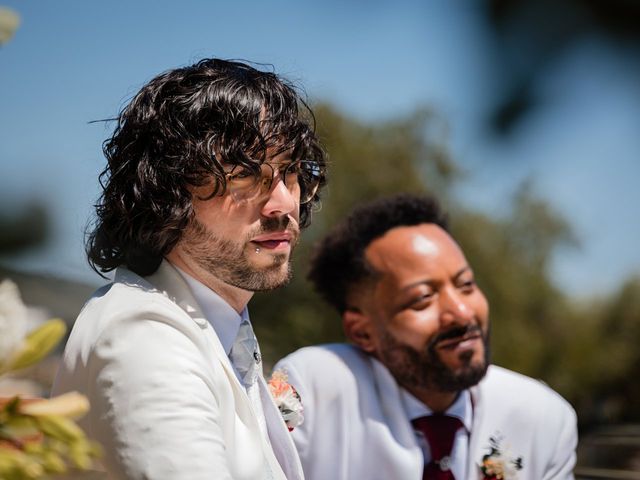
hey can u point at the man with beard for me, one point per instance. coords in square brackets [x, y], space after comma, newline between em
[414, 396]
[212, 169]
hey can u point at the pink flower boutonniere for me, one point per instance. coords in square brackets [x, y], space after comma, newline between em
[497, 464]
[286, 399]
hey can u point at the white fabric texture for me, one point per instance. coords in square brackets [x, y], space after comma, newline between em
[222, 316]
[165, 400]
[236, 335]
[354, 416]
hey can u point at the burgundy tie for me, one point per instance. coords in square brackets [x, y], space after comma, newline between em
[440, 431]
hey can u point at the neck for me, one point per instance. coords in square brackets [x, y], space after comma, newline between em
[234, 296]
[437, 401]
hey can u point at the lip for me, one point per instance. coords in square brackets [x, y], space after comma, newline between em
[273, 242]
[464, 342]
[273, 237]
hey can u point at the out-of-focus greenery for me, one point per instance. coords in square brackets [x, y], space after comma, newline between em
[9, 22]
[24, 227]
[587, 351]
[531, 38]
[38, 437]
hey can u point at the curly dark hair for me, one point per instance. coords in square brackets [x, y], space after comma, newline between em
[177, 132]
[338, 263]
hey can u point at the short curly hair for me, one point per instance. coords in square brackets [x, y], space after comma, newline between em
[177, 132]
[338, 263]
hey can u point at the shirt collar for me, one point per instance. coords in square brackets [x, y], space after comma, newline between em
[222, 317]
[462, 408]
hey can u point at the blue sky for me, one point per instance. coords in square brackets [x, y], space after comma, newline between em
[75, 61]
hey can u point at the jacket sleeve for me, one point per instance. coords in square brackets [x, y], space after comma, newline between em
[563, 462]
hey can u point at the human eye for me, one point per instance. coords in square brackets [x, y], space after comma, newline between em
[420, 300]
[240, 173]
[290, 173]
[467, 284]
[241, 179]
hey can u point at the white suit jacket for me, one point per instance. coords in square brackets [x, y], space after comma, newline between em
[355, 425]
[165, 401]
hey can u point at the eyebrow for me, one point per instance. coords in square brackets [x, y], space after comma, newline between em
[430, 282]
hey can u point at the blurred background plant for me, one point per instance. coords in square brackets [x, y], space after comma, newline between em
[38, 437]
[9, 22]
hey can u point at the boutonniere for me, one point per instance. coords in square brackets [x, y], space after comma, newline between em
[286, 399]
[498, 464]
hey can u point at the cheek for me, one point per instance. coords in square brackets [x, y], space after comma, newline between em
[414, 328]
[222, 217]
[481, 308]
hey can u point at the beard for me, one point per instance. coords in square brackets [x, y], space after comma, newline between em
[228, 260]
[425, 370]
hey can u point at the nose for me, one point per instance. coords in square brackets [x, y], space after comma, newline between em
[281, 201]
[454, 307]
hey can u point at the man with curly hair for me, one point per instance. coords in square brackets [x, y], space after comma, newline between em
[212, 171]
[414, 396]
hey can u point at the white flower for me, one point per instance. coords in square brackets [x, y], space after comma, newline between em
[286, 399]
[499, 463]
[13, 319]
[291, 409]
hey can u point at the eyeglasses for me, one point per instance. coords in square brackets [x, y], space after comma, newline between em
[300, 176]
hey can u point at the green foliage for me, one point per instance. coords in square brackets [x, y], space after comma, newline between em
[37, 345]
[9, 22]
[28, 228]
[586, 352]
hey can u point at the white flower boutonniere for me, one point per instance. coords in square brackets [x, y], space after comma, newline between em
[498, 464]
[286, 399]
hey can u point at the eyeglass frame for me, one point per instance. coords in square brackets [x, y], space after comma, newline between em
[262, 184]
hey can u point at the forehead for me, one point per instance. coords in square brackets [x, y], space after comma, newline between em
[421, 249]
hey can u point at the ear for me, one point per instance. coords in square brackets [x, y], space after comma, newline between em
[358, 328]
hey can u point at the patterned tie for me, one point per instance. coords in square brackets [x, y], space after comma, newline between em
[440, 431]
[245, 354]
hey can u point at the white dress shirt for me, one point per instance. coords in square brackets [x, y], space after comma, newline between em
[226, 323]
[462, 409]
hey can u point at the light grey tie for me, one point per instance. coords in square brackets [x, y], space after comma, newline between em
[246, 359]
[245, 354]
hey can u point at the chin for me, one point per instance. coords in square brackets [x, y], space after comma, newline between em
[469, 359]
[272, 278]
[470, 368]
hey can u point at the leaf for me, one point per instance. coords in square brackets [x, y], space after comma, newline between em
[37, 344]
[71, 405]
[60, 428]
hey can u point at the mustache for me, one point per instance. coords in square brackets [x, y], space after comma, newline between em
[456, 332]
[277, 224]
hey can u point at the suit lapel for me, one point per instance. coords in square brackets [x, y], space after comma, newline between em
[283, 447]
[396, 419]
[168, 281]
[476, 451]
[172, 285]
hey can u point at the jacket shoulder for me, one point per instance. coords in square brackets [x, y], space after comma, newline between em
[329, 370]
[327, 360]
[520, 395]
